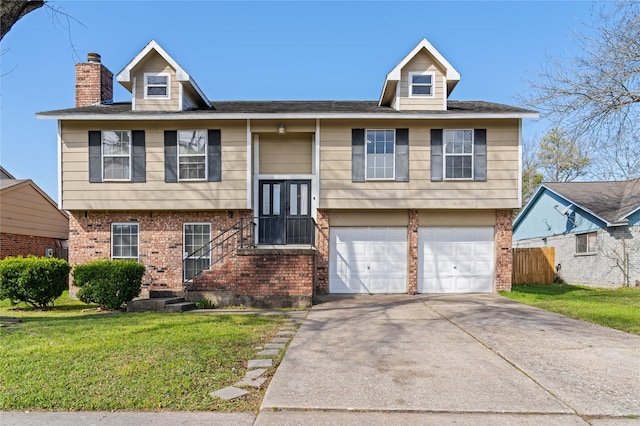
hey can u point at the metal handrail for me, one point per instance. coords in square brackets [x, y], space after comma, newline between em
[225, 243]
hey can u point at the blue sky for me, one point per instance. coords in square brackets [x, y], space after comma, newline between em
[270, 51]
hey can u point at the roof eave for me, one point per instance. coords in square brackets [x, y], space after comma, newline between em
[283, 115]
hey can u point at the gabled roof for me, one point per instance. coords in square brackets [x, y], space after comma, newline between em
[124, 76]
[4, 174]
[612, 202]
[393, 77]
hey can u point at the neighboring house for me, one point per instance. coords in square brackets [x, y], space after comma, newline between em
[594, 227]
[411, 193]
[30, 222]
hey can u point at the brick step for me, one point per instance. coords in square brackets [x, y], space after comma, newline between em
[158, 304]
[180, 307]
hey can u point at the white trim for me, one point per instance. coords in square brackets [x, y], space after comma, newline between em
[315, 183]
[444, 155]
[133, 94]
[256, 189]
[59, 165]
[137, 224]
[102, 156]
[184, 244]
[398, 99]
[206, 155]
[249, 166]
[411, 84]
[180, 97]
[445, 94]
[146, 85]
[520, 162]
[281, 116]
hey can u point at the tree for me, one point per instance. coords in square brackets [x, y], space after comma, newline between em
[12, 10]
[561, 158]
[597, 94]
[531, 177]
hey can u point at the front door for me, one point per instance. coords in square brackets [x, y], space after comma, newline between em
[285, 212]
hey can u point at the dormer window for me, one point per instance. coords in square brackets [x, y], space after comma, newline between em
[421, 84]
[156, 86]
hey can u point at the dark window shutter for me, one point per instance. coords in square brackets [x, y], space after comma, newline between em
[357, 155]
[214, 163]
[402, 155]
[139, 160]
[480, 154]
[170, 156]
[95, 156]
[436, 155]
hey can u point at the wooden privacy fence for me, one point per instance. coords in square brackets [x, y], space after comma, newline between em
[533, 265]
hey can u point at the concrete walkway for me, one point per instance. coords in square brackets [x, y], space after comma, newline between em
[464, 359]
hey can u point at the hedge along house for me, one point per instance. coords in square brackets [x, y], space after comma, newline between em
[271, 202]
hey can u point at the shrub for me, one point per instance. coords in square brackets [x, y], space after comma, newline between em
[109, 283]
[36, 281]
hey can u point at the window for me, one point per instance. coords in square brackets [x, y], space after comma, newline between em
[124, 241]
[156, 86]
[421, 85]
[586, 243]
[116, 155]
[197, 238]
[380, 159]
[192, 155]
[458, 154]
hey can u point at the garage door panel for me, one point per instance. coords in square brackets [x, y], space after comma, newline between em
[455, 260]
[375, 260]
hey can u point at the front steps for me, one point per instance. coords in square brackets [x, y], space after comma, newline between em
[160, 303]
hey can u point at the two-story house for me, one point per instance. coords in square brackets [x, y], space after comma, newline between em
[281, 200]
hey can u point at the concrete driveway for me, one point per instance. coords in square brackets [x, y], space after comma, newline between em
[444, 359]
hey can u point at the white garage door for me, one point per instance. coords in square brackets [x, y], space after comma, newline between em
[455, 260]
[368, 260]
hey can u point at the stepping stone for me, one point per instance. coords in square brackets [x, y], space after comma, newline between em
[254, 383]
[274, 346]
[287, 328]
[285, 333]
[280, 339]
[254, 374]
[259, 363]
[229, 393]
[268, 352]
[258, 348]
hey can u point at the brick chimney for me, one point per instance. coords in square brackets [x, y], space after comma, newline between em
[94, 82]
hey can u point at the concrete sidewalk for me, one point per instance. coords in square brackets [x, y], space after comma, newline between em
[463, 359]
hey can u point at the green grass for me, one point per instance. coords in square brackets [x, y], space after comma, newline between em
[614, 308]
[75, 358]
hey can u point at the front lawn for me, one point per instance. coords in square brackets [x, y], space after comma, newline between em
[74, 358]
[614, 308]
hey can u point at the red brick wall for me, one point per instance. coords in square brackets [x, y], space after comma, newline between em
[24, 245]
[504, 256]
[322, 259]
[94, 83]
[412, 261]
[160, 239]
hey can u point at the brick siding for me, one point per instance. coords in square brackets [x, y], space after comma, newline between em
[322, 260]
[159, 241]
[504, 255]
[412, 274]
[94, 84]
[25, 245]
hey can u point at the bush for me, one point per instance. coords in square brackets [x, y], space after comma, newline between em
[109, 283]
[36, 281]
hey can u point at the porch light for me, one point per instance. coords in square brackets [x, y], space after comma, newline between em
[282, 129]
